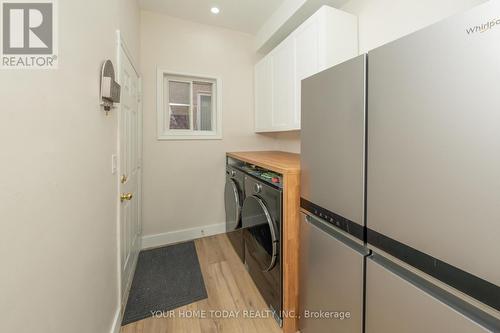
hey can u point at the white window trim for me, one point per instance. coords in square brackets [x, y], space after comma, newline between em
[162, 125]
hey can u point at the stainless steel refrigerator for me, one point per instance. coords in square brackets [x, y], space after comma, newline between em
[332, 199]
[433, 178]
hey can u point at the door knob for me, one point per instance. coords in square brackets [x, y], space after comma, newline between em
[126, 196]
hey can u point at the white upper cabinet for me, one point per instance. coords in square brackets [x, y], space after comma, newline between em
[327, 38]
[307, 39]
[284, 85]
[264, 94]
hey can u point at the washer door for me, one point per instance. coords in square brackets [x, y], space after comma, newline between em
[232, 205]
[260, 233]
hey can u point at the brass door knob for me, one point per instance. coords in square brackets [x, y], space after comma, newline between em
[126, 196]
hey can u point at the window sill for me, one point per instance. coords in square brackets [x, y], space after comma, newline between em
[188, 137]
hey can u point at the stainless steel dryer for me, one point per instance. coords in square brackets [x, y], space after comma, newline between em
[234, 194]
[262, 229]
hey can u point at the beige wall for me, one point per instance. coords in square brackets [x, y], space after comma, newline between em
[57, 194]
[129, 16]
[382, 21]
[288, 141]
[184, 180]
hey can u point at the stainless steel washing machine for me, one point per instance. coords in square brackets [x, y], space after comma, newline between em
[262, 230]
[234, 194]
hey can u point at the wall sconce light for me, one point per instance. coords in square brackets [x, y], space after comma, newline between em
[110, 89]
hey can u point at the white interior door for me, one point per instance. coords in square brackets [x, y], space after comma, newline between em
[130, 169]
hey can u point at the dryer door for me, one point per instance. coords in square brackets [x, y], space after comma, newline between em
[260, 233]
[232, 205]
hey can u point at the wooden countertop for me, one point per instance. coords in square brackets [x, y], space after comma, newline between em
[277, 161]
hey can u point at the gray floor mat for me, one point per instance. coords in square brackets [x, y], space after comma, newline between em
[165, 278]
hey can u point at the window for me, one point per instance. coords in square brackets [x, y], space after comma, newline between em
[189, 107]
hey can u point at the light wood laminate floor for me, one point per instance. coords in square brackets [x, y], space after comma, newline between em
[229, 287]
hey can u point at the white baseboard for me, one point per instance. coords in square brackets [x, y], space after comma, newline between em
[167, 238]
[116, 326]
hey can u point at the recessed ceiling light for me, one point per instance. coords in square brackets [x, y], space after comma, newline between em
[215, 10]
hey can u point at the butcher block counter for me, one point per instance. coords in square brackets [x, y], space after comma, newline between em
[277, 161]
[288, 165]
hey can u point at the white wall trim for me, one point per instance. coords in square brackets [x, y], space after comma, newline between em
[116, 325]
[167, 238]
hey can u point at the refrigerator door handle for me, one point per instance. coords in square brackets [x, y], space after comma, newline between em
[468, 310]
[333, 232]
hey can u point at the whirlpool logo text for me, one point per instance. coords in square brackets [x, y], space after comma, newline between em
[483, 27]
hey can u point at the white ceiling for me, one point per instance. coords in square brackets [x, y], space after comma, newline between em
[241, 15]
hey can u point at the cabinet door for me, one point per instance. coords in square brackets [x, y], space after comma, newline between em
[306, 54]
[284, 101]
[328, 37]
[337, 35]
[263, 94]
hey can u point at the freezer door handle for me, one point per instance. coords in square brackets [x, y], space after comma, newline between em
[475, 314]
[335, 233]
